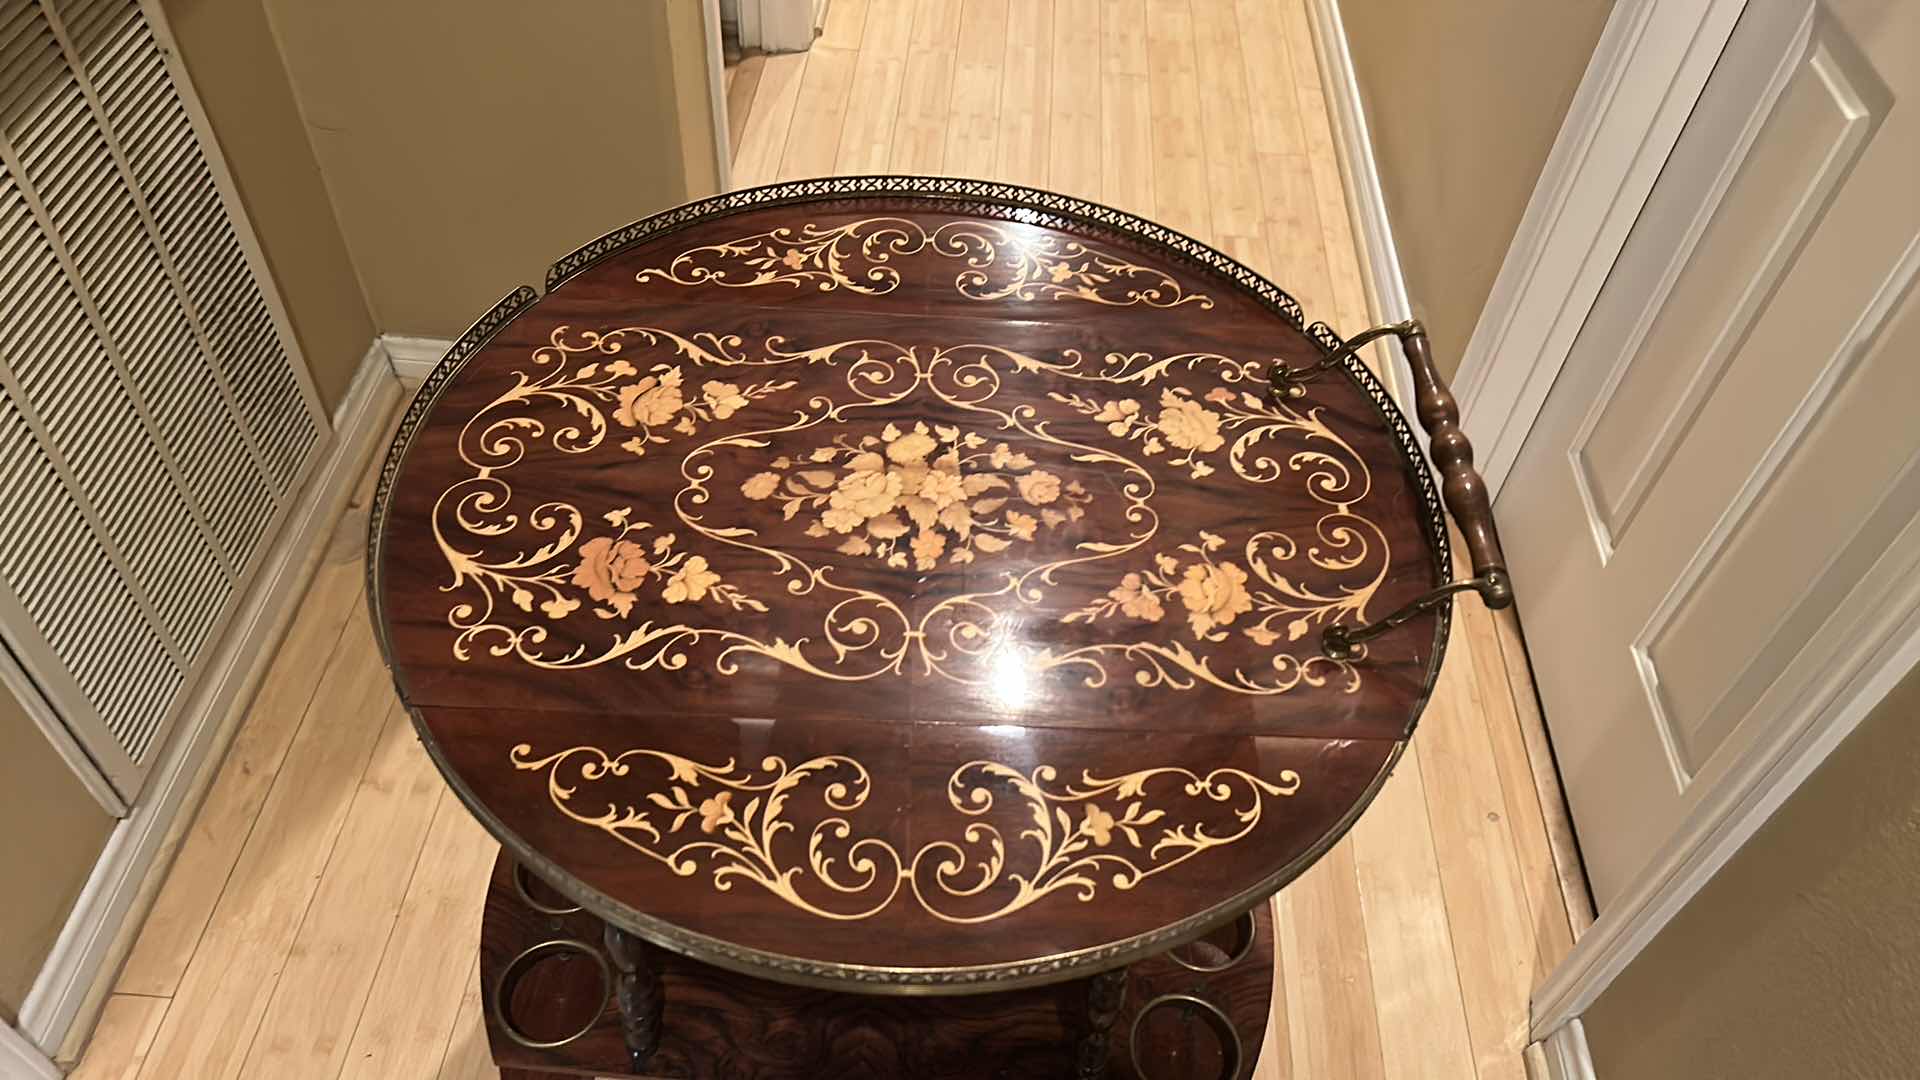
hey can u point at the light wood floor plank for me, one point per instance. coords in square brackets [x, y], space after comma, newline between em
[468, 1056]
[1074, 164]
[1123, 37]
[122, 1037]
[846, 20]
[1275, 1059]
[926, 93]
[1126, 109]
[415, 999]
[819, 114]
[1296, 28]
[1422, 1021]
[1026, 95]
[224, 994]
[1298, 247]
[1179, 146]
[973, 111]
[936, 24]
[1332, 1025]
[741, 88]
[1549, 800]
[1233, 168]
[1551, 929]
[763, 138]
[1479, 869]
[207, 854]
[318, 999]
[1273, 105]
[1330, 195]
[866, 137]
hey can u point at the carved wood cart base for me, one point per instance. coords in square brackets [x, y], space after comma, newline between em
[714, 1023]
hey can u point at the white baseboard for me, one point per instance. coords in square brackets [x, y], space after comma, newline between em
[413, 358]
[1565, 1053]
[74, 981]
[1380, 271]
[21, 1060]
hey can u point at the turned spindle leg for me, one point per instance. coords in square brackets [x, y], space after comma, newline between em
[1106, 992]
[637, 989]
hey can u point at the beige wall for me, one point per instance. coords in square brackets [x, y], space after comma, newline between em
[52, 830]
[405, 165]
[50, 835]
[1801, 958]
[466, 145]
[230, 56]
[1463, 100]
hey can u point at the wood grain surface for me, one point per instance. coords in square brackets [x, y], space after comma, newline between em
[863, 588]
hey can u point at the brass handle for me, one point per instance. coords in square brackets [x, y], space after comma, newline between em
[1462, 489]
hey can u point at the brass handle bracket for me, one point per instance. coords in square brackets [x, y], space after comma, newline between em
[1287, 381]
[1347, 643]
[1462, 489]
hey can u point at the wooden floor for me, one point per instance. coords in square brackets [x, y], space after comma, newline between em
[321, 916]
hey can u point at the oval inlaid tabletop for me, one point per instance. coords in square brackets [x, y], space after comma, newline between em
[904, 584]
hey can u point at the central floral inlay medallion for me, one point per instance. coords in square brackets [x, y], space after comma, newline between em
[862, 508]
[919, 494]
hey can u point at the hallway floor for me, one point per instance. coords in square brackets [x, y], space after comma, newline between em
[303, 929]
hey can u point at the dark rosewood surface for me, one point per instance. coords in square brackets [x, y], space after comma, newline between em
[901, 594]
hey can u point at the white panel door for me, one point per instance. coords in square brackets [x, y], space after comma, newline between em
[1730, 459]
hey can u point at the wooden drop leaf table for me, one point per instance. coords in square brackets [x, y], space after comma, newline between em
[900, 626]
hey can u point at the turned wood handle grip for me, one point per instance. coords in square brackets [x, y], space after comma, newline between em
[1464, 492]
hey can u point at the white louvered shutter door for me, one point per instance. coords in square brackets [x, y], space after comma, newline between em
[154, 419]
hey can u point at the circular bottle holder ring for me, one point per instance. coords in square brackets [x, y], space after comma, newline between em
[522, 889]
[518, 966]
[1209, 1012]
[1244, 934]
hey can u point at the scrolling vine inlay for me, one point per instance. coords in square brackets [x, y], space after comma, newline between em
[997, 263]
[845, 476]
[817, 572]
[1119, 830]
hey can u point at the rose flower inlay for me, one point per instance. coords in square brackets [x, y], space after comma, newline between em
[916, 495]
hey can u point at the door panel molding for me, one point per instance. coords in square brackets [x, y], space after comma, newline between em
[1776, 173]
[1899, 498]
[1652, 60]
[1869, 644]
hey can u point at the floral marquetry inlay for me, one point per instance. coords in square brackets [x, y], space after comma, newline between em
[1038, 476]
[787, 827]
[919, 495]
[994, 262]
[895, 584]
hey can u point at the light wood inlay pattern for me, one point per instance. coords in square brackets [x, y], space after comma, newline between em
[1406, 951]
